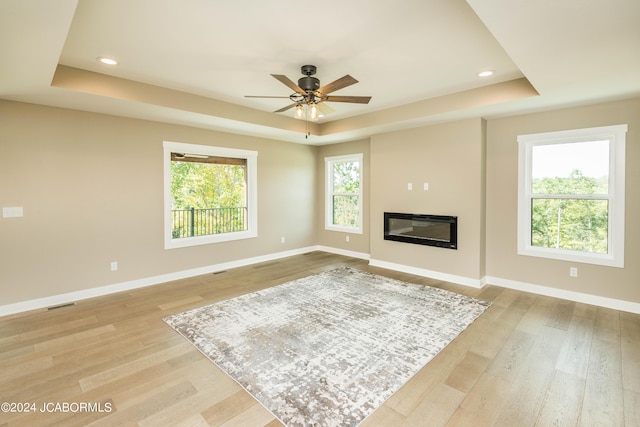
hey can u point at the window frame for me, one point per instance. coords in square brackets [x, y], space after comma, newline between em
[329, 193]
[251, 158]
[616, 135]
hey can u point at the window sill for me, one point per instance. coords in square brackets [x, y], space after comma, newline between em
[573, 256]
[352, 230]
[207, 240]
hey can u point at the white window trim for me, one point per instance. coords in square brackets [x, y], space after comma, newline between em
[252, 193]
[329, 162]
[616, 135]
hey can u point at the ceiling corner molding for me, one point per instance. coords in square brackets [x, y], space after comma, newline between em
[440, 106]
[103, 85]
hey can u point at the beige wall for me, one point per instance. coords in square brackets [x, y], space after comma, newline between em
[450, 158]
[91, 187]
[357, 242]
[502, 191]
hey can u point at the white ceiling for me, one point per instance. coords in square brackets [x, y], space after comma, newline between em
[193, 61]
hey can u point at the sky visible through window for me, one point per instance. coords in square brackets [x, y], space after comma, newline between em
[559, 160]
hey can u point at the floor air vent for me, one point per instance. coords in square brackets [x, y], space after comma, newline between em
[55, 307]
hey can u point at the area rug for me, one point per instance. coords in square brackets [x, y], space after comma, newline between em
[328, 349]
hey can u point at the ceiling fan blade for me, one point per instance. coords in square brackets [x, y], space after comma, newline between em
[287, 82]
[258, 96]
[342, 82]
[325, 109]
[353, 99]
[285, 108]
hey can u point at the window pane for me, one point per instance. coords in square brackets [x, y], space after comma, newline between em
[346, 177]
[345, 211]
[570, 168]
[570, 224]
[207, 198]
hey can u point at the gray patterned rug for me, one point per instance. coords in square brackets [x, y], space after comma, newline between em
[328, 349]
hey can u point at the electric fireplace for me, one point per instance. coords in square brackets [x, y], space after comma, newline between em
[430, 230]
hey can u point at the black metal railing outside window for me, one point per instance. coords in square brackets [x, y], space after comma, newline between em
[202, 222]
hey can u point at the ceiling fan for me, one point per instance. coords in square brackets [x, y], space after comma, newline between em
[309, 93]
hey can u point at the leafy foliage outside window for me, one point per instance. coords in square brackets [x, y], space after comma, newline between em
[207, 198]
[344, 192]
[570, 223]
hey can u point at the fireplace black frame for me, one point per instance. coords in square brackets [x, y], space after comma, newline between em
[451, 243]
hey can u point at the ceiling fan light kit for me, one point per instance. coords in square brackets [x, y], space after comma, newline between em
[310, 96]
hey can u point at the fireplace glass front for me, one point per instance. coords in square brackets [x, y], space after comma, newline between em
[431, 230]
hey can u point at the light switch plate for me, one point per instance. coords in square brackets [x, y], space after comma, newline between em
[12, 212]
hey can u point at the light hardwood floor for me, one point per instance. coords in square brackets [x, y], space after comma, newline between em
[528, 360]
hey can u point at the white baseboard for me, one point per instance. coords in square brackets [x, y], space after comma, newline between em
[71, 297]
[616, 304]
[460, 280]
[352, 254]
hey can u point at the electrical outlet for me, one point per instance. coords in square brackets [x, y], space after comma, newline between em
[425, 186]
[573, 271]
[346, 238]
[114, 266]
[282, 240]
[409, 186]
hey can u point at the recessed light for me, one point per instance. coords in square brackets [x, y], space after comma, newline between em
[486, 73]
[107, 61]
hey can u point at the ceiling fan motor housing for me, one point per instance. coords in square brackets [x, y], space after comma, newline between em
[309, 84]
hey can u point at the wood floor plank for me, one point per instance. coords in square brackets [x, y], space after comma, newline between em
[137, 388]
[509, 360]
[537, 315]
[631, 408]
[188, 301]
[50, 330]
[481, 404]
[506, 297]
[587, 311]
[436, 407]
[255, 416]
[527, 360]
[492, 338]
[228, 408]
[575, 353]
[213, 387]
[384, 416]
[563, 402]
[405, 400]
[603, 396]
[74, 337]
[12, 373]
[630, 346]
[467, 372]
[531, 383]
[561, 314]
[193, 421]
[607, 325]
[149, 407]
[128, 368]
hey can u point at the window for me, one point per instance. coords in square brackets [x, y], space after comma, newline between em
[209, 194]
[571, 195]
[344, 193]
